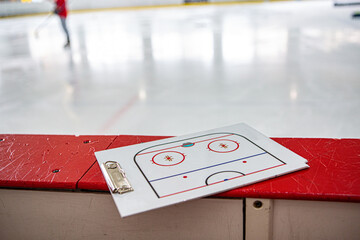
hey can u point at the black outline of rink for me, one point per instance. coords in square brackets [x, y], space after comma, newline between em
[182, 140]
[207, 179]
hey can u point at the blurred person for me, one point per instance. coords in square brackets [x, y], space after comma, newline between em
[61, 10]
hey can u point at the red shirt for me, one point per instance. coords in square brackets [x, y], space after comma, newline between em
[61, 8]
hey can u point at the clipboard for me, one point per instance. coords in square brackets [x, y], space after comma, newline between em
[156, 174]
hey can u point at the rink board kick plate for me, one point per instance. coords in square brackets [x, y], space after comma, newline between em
[156, 174]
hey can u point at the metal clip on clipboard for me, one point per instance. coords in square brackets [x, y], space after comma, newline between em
[115, 178]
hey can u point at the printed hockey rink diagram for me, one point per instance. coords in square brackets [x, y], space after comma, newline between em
[156, 174]
[198, 162]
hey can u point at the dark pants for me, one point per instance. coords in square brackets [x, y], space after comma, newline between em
[63, 24]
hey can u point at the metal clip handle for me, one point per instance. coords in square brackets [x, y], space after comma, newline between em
[115, 178]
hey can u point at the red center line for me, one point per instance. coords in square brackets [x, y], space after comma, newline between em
[183, 191]
[223, 180]
[181, 145]
[114, 118]
[266, 169]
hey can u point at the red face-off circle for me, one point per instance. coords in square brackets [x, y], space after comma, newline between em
[168, 158]
[223, 146]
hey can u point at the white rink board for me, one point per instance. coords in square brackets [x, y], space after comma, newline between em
[178, 169]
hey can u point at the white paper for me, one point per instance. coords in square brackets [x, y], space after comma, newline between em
[178, 169]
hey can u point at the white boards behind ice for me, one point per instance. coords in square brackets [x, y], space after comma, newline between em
[156, 174]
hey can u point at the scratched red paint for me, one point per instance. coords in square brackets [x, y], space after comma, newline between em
[47, 161]
[27, 161]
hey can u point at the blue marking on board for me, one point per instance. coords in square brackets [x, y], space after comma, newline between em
[188, 144]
